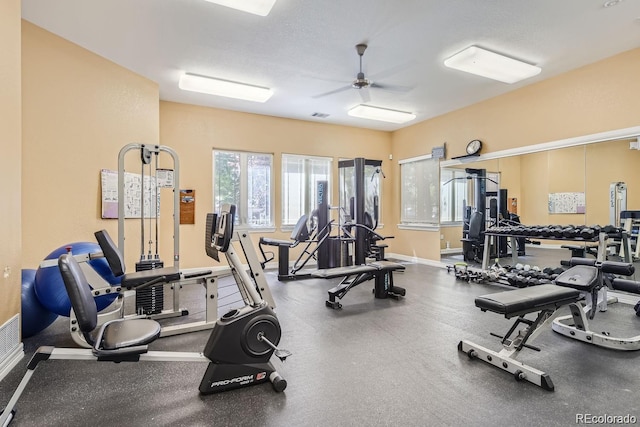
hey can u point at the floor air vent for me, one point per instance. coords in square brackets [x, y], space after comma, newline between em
[9, 337]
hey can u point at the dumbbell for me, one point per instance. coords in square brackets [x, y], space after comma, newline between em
[544, 232]
[587, 233]
[569, 232]
[556, 231]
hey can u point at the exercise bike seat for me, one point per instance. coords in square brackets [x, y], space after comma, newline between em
[135, 279]
[116, 340]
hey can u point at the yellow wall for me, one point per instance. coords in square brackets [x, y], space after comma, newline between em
[195, 131]
[78, 111]
[10, 159]
[510, 177]
[609, 162]
[595, 98]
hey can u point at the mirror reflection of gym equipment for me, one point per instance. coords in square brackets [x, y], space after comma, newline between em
[485, 206]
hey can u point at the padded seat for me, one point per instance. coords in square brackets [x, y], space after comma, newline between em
[349, 270]
[117, 340]
[133, 332]
[527, 300]
[132, 280]
[276, 242]
[580, 277]
[387, 265]
[157, 275]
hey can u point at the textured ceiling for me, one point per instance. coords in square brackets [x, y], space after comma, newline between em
[305, 48]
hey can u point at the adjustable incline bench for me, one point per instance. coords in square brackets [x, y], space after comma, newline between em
[580, 281]
[353, 275]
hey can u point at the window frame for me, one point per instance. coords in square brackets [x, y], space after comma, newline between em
[306, 184]
[242, 213]
[421, 224]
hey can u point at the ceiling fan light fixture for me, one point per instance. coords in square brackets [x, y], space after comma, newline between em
[257, 7]
[491, 65]
[226, 88]
[360, 83]
[381, 114]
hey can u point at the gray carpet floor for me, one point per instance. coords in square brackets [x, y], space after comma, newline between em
[372, 363]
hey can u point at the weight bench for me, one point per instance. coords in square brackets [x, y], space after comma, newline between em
[576, 325]
[544, 299]
[584, 280]
[580, 251]
[354, 275]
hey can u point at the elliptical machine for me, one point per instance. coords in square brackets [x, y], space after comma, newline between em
[243, 340]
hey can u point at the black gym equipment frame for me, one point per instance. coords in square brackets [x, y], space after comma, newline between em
[354, 271]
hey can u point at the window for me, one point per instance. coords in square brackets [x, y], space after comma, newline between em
[244, 179]
[457, 191]
[419, 196]
[453, 194]
[372, 186]
[299, 177]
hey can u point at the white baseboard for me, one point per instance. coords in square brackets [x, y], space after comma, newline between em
[450, 251]
[11, 360]
[417, 260]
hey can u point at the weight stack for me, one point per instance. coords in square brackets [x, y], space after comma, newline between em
[150, 300]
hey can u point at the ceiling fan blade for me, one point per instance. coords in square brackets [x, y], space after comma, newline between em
[393, 70]
[342, 89]
[392, 88]
[365, 95]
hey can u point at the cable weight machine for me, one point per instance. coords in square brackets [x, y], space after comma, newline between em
[151, 300]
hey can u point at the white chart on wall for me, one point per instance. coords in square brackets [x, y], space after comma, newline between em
[140, 194]
[567, 203]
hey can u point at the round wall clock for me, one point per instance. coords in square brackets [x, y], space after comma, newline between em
[474, 147]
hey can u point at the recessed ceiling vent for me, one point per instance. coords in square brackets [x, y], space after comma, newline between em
[320, 115]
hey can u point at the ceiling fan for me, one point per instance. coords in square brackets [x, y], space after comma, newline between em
[361, 82]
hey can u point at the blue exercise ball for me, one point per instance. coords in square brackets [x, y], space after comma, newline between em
[50, 287]
[35, 317]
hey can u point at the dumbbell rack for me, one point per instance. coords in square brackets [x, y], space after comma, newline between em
[601, 239]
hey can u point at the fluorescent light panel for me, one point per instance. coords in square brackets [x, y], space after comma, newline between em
[381, 114]
[257, 7]
[488, 64]
[225, 88]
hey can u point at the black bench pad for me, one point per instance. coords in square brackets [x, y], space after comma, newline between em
[581, 277]
[132, 280]
[276, 242]
[387, 265]
[527, 300]
[350, 270]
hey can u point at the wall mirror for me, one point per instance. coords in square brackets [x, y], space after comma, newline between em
[563, 182]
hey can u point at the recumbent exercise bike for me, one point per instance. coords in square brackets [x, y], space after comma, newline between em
[239, 347]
